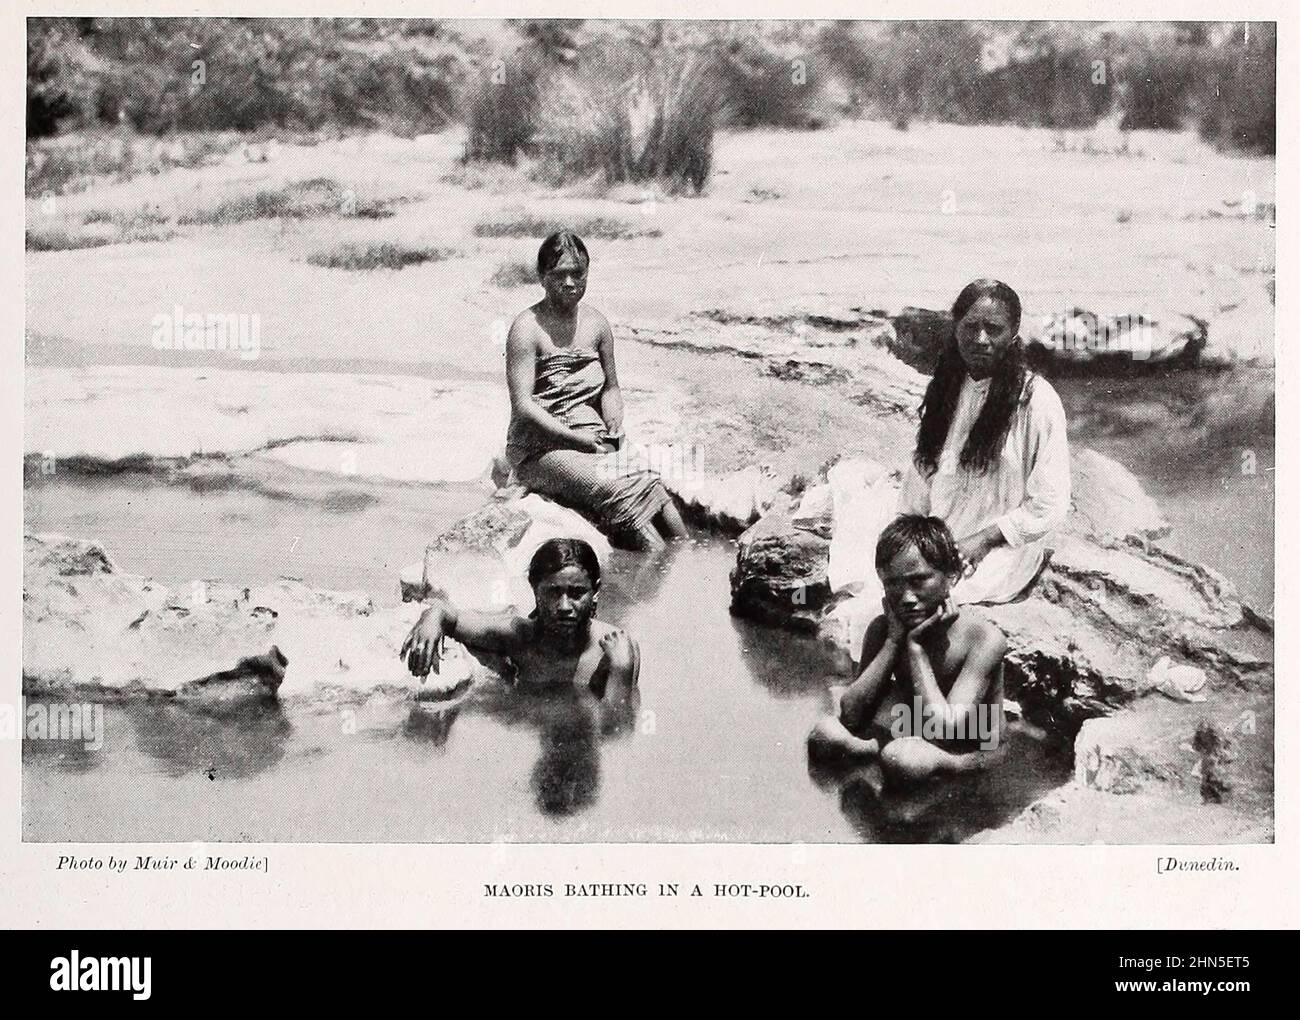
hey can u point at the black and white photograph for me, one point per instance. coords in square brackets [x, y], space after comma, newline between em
[599, 431]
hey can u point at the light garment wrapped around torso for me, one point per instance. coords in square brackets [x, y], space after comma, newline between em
[568, 384]
[614, 488]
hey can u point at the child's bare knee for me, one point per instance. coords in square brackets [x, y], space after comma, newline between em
[830, 738]
[910, 758]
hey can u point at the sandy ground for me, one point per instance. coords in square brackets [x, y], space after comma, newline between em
[857, 216]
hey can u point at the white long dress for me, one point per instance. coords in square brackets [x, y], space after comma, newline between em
[1026, 492]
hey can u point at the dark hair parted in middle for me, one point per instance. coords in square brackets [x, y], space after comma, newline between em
[930, 535]
[555, 554]
[555, 247]
[1009, 388]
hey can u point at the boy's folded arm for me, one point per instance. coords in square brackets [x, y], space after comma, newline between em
[977, 672]
[860, 698]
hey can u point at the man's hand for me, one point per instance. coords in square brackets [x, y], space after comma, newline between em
[943, 614]
[897, 629]
[422, 648]
[617, 649]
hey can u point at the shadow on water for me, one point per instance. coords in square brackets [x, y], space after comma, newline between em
[221, 743]
[75, 755]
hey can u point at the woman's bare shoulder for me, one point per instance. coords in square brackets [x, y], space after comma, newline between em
[525, 331]
[592, 321]
[527, 320]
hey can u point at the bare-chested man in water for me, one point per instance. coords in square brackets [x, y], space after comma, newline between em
[560, 643]
[929, 697]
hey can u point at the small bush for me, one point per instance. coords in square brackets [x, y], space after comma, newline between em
[502, 109]
[384, 255]
[598, 227]
[766, 82]
[626, 110]
[319, 196]
[1240, 108]
[65, 237]
[62, 239]
[633, 114]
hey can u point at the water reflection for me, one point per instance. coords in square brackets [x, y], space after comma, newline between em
[220, 742]
[430, 723]
[636, 578]
[949, 809]
[76, 755]
[570, 723]
[767, 653]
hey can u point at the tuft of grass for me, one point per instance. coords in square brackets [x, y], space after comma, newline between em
[515, 274]
[600, 227]
[316, 197]
[149, 216]
[502, 110]
[625, 110]
[632, 113]
[63, 236]
[383, 255]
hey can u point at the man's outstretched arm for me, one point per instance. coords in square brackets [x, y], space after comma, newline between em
[487, 632]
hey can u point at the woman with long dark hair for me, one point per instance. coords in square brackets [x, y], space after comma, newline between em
[991, 458]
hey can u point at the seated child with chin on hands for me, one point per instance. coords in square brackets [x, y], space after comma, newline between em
[928, 699]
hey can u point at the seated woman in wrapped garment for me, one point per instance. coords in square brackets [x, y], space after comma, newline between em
[566, 426]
